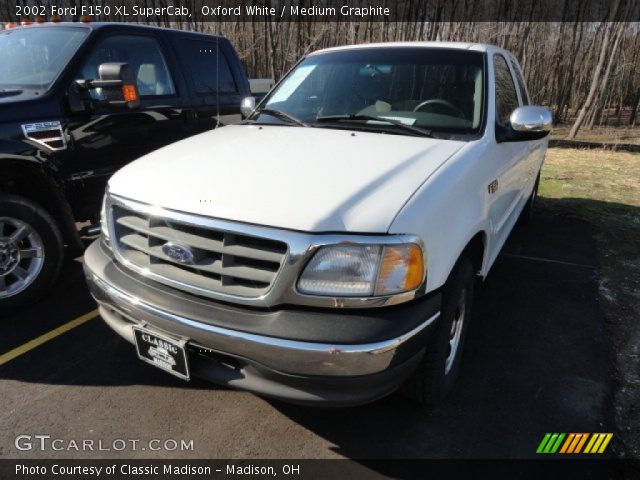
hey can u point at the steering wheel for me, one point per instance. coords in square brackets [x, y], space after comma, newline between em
[442, 103]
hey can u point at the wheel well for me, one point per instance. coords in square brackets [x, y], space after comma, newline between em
[475, 250]
[30, 182]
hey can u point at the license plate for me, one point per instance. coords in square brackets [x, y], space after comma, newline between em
[165, 353]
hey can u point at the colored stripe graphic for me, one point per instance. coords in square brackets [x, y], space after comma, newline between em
[576, 438]
[573, 443]
[581, 442]
[567, 442]
[605, 443]
[556, 445]
[544, 441]
[591, 442]
[550, 443]
[598, 443]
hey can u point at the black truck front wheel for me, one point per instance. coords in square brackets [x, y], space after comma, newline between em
[31, 251]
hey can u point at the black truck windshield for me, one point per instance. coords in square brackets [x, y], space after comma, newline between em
[33, 57]
[435, 89]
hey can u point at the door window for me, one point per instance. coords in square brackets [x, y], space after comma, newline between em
[144, 56]
[506, 96]
[208, 67]
[521, 87]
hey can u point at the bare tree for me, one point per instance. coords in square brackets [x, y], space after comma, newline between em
[597, 81]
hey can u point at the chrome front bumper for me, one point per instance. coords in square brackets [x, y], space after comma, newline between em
[121, 311]
[125, 300]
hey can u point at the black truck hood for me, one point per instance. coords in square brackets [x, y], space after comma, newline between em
[27, 107]
[17, 95]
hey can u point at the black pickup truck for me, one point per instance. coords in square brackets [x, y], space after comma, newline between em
[77, 102]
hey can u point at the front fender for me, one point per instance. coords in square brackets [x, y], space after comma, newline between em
[36, 178]
[447, 211]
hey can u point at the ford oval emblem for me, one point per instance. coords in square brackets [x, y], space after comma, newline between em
[178, 253]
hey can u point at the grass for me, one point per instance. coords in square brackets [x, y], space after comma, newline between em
[609, 181]
[603, 188]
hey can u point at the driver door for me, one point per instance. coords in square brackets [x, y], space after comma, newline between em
[505, 190]
[108, 138]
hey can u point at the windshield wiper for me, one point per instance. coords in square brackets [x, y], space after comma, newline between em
[417, 130]
[284, 116]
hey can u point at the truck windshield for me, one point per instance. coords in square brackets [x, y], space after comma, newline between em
[33, 57]
[434, 89]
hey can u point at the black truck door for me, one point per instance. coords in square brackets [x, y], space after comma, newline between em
[214, 84]
[110, 137]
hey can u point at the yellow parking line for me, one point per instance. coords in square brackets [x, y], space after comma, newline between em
[36, 342]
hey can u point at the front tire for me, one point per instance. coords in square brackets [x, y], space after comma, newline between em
[31, 251]
[439, 367]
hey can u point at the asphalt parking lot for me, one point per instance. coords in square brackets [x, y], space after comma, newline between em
[537, 360]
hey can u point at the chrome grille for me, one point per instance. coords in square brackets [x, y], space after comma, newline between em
[223, 262]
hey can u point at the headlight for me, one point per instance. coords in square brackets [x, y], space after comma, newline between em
[363, 270]
[103, 219]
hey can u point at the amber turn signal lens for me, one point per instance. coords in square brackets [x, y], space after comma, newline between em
[401, 269]
[129, 93]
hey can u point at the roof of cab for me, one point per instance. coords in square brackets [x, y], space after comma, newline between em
[101, 25]
[450, 45]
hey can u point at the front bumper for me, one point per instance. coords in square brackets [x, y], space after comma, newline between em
[300, 355]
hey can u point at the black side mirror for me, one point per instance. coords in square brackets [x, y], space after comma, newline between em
[117, 82]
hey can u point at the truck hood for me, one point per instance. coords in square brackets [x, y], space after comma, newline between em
[307, 179]
[16, 95]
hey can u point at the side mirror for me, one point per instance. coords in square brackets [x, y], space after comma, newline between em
[247, 106]
[532, 120]
[117, 82]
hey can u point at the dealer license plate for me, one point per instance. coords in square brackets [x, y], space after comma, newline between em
[163, 352]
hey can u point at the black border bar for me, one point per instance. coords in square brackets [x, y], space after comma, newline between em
[584, 469]
[189, 11]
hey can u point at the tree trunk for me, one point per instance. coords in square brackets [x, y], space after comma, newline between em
[595, 82]
[634, 111]
[600, 102]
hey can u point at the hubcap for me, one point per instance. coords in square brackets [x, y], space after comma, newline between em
[21, 256]
[456, 331]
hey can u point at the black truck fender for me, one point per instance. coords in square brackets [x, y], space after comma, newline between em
[27, 176]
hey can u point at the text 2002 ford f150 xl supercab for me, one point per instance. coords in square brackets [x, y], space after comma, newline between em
[66, 126]
[327, 249]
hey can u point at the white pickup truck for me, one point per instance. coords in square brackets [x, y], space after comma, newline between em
[326, 250]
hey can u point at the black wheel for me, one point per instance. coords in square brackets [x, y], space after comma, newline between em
[438, 369]
[31, 251]
[527, 211]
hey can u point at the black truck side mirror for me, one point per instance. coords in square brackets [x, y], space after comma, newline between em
[117, 82]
